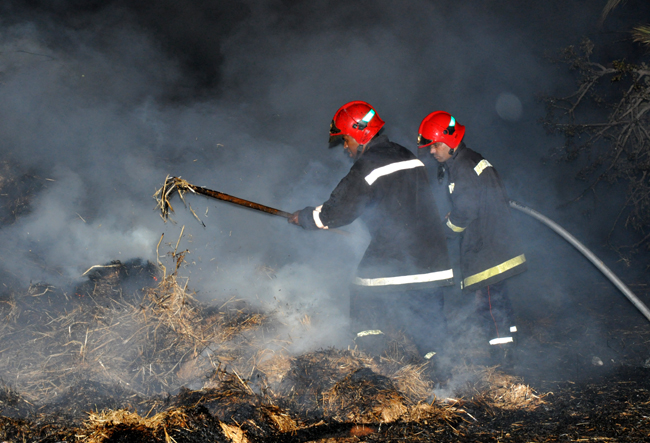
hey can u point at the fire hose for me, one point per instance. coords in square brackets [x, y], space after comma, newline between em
[587, 253]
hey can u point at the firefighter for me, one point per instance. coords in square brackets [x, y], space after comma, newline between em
[480, 215]
[398, 283]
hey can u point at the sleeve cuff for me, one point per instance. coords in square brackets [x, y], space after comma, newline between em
[453, 227]
[306, 218]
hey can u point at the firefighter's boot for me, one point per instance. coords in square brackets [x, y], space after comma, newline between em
[371, 342]
[503, 355]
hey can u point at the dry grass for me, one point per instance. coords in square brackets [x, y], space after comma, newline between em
[434, 413]
[280, 419]
[364, 397]
[101, 426]
[234, 433]
[166, 192]
[411, 381]
[151, 345]
[274, 365]
[164, 339]
[495, 389]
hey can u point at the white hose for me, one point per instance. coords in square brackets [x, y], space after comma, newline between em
[587, 253]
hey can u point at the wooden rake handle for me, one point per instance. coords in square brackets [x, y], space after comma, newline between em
[177, 184]
[238, 201]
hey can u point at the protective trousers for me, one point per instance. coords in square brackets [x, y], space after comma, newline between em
[418, 313]
[495, 312]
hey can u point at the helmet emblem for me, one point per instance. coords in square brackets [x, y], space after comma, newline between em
[361, 125]
[452, 126]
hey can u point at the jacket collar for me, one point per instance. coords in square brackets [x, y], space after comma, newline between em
[372, 144]
[460, 148]
[378, 140]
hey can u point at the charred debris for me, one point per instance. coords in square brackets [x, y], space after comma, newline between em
[132, 356]
[104, 364]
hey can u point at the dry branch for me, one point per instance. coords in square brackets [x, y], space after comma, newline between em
[615, 147]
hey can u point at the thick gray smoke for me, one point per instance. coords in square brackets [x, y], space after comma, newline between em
[106, 101]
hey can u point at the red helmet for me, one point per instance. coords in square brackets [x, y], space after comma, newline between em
[357, 119]
[440, 126]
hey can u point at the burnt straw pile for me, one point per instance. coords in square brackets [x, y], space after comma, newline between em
[132, 356]
[153, 364]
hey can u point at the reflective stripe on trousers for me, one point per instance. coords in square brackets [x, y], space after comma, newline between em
[405, 279]
[495, 270]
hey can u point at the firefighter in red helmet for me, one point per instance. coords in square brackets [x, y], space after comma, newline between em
[480, 215]
[399, 279]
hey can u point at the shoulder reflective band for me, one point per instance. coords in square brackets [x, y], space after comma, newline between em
[501, 341]
[428, 355]
[451, 187]
[368, 116]
[393, 167]
[453, 227]
[369, 332]
[317, 220]
[481, 166]
[496, 270]
[513, 329]
[405, 279]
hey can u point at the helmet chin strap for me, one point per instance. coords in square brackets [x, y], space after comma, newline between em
[360, 150]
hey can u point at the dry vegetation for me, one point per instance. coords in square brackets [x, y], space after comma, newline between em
[131, 356]
[104, 362]
[606, 127]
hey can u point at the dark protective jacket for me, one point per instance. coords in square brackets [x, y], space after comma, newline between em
[388, 188]
[489, 248]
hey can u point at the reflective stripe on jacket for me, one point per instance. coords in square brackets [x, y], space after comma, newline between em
[388, 188]
[490, 250]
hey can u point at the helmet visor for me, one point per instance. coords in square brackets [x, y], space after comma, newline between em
[336, 136]
[422, 142]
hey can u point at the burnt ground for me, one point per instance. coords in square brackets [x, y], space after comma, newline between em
[596, 372]
[584, 381]
[611, 408]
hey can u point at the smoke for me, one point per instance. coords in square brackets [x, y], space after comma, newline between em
[508, 106]
[106, 99]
